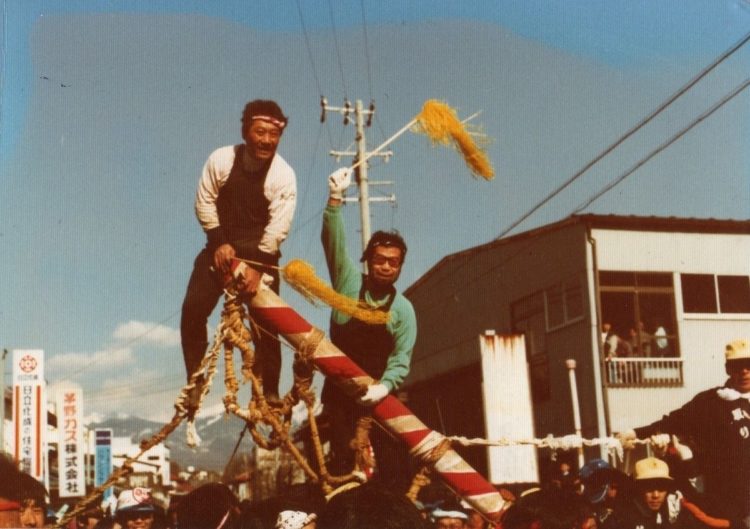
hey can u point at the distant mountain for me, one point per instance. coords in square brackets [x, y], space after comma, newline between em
[219, 435]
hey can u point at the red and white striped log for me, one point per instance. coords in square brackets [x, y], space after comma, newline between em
[275, 315]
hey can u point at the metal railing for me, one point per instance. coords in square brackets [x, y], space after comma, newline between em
[643, 372]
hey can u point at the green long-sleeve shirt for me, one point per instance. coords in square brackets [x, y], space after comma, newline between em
[346, 278]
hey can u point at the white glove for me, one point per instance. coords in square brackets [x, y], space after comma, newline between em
[338, 181]
[626, 438]
[683, 451]
[375, 393]
[660, 443]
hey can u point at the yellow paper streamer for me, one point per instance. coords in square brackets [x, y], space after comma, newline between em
[301, 276]
[441, 124]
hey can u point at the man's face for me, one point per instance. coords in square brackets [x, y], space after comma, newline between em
[262, 139]
[32, 515]
[654, 499]
[385, 265]
[137, 520]
[475, 521]
[739, 374]
[450, 523]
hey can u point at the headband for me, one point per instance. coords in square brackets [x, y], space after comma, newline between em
[279, 123]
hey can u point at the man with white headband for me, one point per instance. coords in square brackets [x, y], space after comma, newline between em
[245, 203]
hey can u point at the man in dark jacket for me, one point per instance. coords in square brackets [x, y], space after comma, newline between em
[718, 421]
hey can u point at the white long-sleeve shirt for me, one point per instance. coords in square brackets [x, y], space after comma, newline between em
[280, 189]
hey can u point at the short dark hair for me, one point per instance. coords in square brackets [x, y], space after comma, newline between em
[262, 107]
[384, 238]
[370, 506]
[10, 484]
[547, 509]
[206, 506]
[31, 489]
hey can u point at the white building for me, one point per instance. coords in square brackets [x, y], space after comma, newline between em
[155, 461]
[676, 290]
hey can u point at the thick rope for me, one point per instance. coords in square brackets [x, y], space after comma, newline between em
[420, 480]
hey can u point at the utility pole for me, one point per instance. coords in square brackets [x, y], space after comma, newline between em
[361, 153]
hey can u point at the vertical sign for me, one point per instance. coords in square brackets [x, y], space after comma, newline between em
[70, 447]
[103, 459]
[29, 411]
[508, 411]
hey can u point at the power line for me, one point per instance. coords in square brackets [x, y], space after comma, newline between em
[628, 134]
[338, 50]
[127, 343]
[309, 50]
[666, 144]
[490, 270]
[367, 47]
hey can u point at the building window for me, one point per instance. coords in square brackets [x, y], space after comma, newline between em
[527, 318]
[638, 314]
[715, 294]
[563, 303]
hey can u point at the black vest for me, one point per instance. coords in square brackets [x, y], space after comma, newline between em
[242, 205]
[368, 345]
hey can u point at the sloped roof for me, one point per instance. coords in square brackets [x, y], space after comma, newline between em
[611, 222]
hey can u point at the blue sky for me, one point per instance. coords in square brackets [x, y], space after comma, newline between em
[109, 110]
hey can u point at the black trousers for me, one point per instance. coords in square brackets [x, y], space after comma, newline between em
[203, 292]
[391, 456]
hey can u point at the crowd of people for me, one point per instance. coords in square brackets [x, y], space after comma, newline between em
[597, 496]
[638, 342]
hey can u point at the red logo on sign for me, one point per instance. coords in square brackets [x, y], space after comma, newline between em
[27, 364]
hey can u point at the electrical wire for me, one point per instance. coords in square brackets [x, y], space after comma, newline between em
[367, 48]
[312, 64]
[126, 344]
[664, 145]
[338, 50]
[628, 134]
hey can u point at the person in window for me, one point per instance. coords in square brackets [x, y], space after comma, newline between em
[640, 340]
[660, 342]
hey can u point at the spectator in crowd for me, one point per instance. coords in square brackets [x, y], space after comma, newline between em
[290, 519]
[33, 502]
[212, 505]
[649, 508]
[602, 488]
[564, 477]
[89, 518]
[10, 498]
[549, 509]
[135, 509]
[450, 515]
[474, 520]
[370, 506]
[718, 422]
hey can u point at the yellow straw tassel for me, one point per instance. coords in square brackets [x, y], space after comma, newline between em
[301, 276]
[441, 124]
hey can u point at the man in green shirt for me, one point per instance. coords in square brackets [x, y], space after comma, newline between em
[383, 351]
